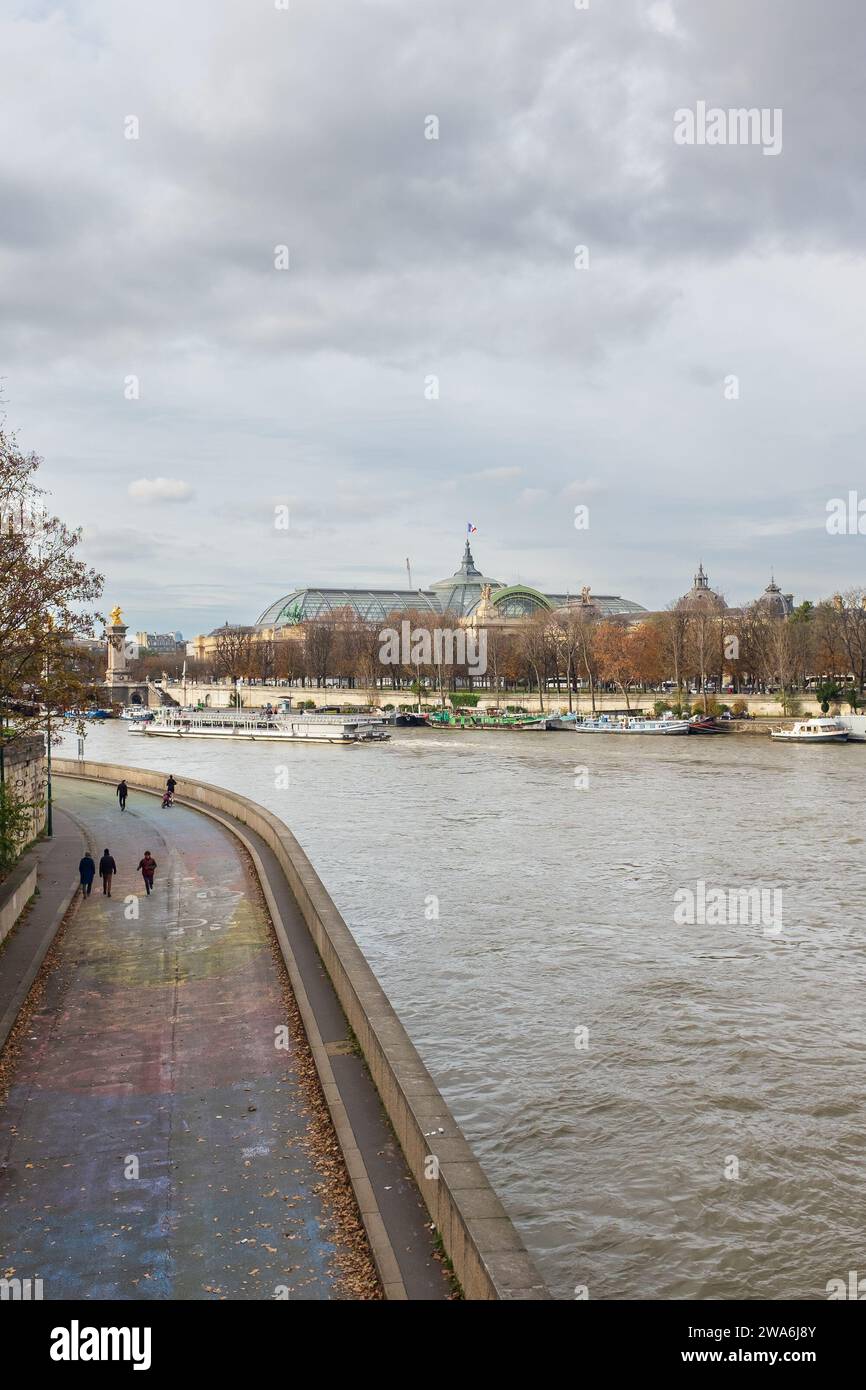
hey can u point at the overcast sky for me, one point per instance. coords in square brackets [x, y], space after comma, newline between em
[410, 258]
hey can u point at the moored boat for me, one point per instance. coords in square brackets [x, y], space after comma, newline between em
[137, 713]
[604, 724]
[491, 719]
[707, 724]
[813, 731]
[259, 725]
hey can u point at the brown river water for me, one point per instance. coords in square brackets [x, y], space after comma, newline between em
[703, 1138]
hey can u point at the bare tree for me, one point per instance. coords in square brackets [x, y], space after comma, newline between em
[44, 593]
[233, 652]
[319, 648]
[538, 650]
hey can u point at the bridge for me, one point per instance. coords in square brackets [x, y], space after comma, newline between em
[207, 1092]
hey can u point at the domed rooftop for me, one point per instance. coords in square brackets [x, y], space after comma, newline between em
[775, 602]
[701, 597]
[459, 595]
[462, 591]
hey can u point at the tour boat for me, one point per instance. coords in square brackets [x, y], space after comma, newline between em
[258, 725]
[813, 731]
[604, 724]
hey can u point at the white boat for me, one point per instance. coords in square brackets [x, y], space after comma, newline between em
[605, 724]
[813, 731]
[137, 713]
[258, 725]
[856, 726]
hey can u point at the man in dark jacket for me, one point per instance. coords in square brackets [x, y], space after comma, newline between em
[171, 784]
[107, 870]
[122, 793]
[86, 872]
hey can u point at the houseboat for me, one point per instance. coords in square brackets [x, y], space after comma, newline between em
[607, 724]
[260, 726]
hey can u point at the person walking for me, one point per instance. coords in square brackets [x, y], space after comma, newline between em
[107, 870]
[86, 872]
[171, 784]
[147, 864]
[122, 793]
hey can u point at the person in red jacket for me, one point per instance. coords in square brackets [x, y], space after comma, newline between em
[147, 864]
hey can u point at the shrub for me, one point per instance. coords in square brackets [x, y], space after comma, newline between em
[825, 691]
[15, 824]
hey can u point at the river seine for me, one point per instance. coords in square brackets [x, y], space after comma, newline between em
[668, 1107]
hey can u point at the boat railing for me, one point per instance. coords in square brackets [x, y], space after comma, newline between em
[262, 717]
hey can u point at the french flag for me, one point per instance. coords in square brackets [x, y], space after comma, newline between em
[470, 529]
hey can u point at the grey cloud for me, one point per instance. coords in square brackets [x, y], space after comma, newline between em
[452, 257]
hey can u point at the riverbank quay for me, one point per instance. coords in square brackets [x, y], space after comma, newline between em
[161, 1136]
[354, 1033]
[224, 694]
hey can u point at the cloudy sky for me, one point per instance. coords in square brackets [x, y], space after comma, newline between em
[150, 266]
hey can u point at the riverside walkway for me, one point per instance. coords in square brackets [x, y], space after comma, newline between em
[163, 1134]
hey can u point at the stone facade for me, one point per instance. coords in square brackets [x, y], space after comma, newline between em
[24, 771]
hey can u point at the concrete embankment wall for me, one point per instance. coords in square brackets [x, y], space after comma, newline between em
[24, 773]
[15, 893]
[220, 695]
[488, 1256]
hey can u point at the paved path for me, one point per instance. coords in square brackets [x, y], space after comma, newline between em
[152, 1142]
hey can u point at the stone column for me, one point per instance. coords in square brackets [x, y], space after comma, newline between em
[118, 664]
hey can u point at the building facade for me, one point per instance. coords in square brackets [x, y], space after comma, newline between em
[459, 595]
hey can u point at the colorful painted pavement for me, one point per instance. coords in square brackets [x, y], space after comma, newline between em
[151, 1145]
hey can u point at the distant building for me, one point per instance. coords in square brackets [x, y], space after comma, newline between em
[701, 598]
[460, 595]
[161, 643]
[775, 602]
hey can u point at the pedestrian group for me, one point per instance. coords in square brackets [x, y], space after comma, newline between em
[107, 865]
